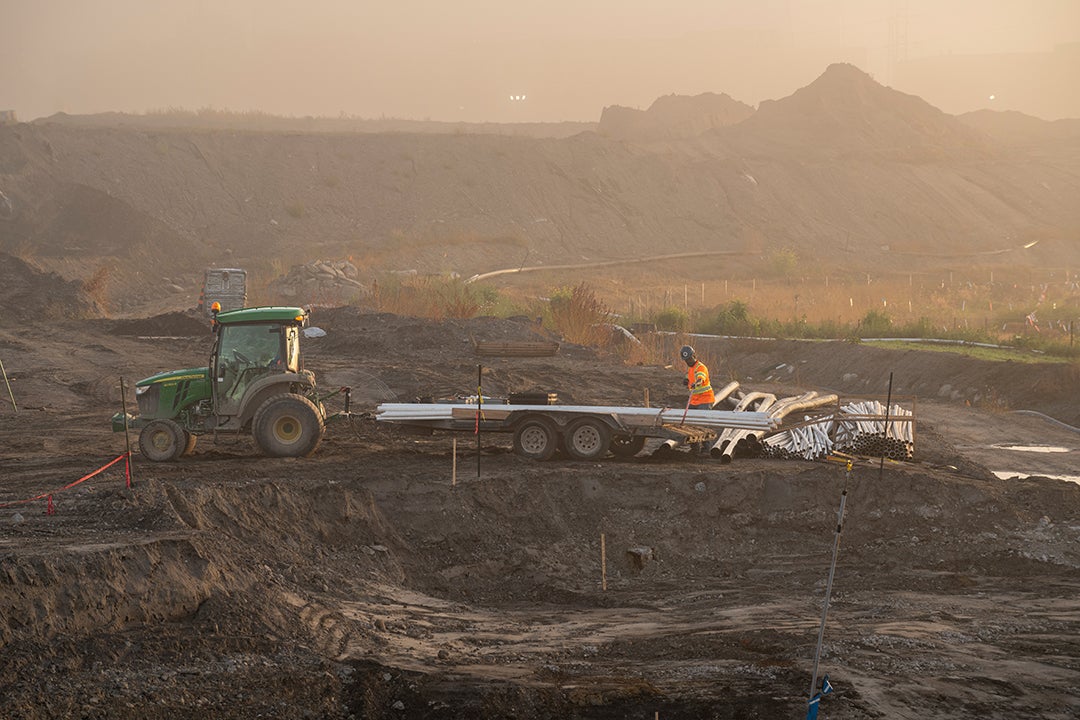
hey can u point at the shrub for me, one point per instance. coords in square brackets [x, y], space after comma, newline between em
[783, 261]
[579, 315]
[732, 318]
[875, 323]
[672, 318]
[97, 287]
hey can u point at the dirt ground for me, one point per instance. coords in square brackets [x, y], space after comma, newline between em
[361, 583]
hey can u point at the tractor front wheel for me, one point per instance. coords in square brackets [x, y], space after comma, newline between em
[162, 441]
[288, 425]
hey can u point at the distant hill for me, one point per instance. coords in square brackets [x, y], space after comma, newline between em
[672, 117]
[211, 119]
[1015, 128]
[849, 174]
[844, 109]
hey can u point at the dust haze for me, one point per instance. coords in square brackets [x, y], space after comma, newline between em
[479, 60]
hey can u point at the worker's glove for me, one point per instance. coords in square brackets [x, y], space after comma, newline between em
[686, 382]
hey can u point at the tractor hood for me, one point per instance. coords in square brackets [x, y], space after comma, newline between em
[168, 394]
[175, 376]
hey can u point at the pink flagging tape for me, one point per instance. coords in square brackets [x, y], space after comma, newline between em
[50, 493]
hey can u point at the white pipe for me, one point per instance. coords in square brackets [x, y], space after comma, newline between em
[391, 412]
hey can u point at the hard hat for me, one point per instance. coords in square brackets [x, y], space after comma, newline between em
[687, 353]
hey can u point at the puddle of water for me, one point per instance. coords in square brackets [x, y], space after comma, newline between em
[1009, 474]
[1033, 448]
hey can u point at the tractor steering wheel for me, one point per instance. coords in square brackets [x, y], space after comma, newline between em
[241, 357]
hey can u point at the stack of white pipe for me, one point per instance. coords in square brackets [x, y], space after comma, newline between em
[862, 434]
[432, 412]
[729, 438]
[725, 447]
[809, 442]
[852, 434]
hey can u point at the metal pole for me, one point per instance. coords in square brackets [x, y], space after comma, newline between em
[884, 440]
[479, 412]
[10, 395]
[829, 583]
[127, 437]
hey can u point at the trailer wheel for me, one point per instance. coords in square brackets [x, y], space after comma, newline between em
[536, 438]
[587, 439]
[288, 425]
[627, 446]
[162, 441]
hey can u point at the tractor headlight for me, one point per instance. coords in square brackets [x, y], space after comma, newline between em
[140, 389]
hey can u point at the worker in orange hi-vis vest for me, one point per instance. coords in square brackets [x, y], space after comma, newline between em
[697, 380]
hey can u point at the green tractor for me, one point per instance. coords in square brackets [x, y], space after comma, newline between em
[255, 383]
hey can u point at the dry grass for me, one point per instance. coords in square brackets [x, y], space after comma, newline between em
[432, 297]
[985, 303]
[97, 287]
[579, 315]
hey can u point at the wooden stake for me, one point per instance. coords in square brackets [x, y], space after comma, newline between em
[647, 398]
[603, 563]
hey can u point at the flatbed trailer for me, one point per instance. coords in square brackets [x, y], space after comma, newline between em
[586, 432]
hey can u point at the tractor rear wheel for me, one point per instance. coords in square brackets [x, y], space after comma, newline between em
[288, 425]
[162, 441]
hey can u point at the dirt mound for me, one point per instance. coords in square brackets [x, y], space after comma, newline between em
[319, 282]
[1015, 128]
[845, 109]
[673, 117]
[30, 294]
[172, 324]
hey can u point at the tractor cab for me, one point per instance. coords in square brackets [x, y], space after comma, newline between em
[251, 347]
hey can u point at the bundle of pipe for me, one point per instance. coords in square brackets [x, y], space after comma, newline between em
[749, 442]
[420, 413]
[865, 432]
[807, 442]
[859, 428]
[731, 437]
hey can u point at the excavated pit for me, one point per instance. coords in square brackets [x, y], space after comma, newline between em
[374, 588]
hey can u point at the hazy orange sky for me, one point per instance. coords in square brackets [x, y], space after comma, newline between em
[464, 59]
